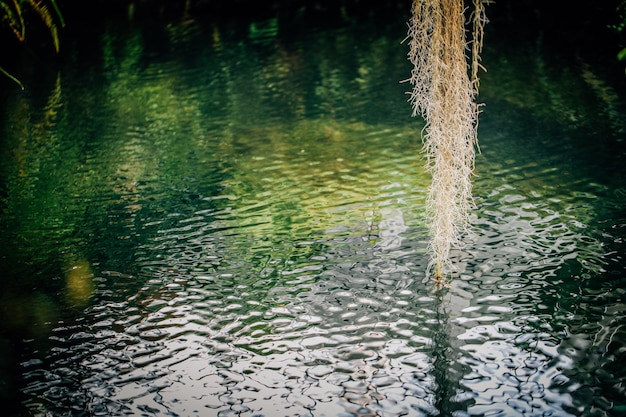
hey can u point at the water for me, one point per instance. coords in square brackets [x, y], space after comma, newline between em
[201, 220]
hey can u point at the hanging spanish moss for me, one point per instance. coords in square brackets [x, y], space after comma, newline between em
[445, 86]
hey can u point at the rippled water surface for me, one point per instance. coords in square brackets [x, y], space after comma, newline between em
[204, 221]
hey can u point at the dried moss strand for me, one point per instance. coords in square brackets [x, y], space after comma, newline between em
[443, 94]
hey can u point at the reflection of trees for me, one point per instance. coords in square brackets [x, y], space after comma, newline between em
[205, 189]
[572, 98]
[168, 116]
[30, 143]
[210, 174]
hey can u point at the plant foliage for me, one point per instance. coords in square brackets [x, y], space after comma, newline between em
[620, 28]
[12, 15]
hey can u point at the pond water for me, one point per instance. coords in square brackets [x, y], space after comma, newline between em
[201, 220]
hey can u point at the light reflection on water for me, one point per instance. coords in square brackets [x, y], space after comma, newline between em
[247, 239]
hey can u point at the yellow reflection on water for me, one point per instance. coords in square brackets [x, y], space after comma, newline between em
[79, 283]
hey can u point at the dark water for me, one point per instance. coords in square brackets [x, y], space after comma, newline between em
[214, 222]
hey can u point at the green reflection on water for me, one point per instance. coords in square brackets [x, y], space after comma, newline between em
[283, 145]
[281, 148]
[244, 170]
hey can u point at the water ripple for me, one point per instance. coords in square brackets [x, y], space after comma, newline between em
[254, 236]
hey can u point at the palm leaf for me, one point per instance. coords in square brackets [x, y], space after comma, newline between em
[14, 18]
[46, 17]
[11, 13]
[58, 12]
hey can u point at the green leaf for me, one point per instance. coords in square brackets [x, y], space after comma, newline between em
[621, 55]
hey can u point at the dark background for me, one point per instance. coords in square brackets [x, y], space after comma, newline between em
[574, 27]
